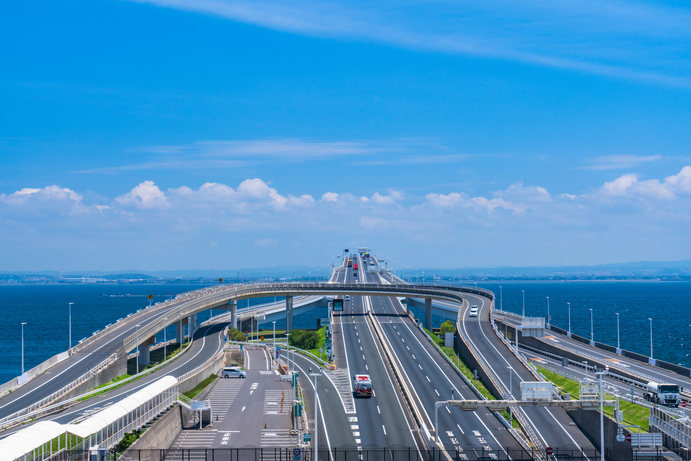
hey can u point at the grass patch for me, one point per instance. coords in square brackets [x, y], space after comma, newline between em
[634, 414]
[128, 440]
[192, 393]
[322, 340]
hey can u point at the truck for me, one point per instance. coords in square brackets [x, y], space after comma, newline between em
[350, 262]
[362, 386]
[663, 393]
[354, 266]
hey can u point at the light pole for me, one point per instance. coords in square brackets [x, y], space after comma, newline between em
[274, 346]
[592, 337]
[501, 300]
[569, 319]
[548, 310]
[70, 326]
[511, 393]
[618, 345]
[316, 418]
[651, 337]
[165, 338]
[137, 372]
[523, 292]
[23, 323]
[602, 424]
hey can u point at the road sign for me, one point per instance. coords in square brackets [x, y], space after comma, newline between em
[620, 437]
[683, 404]
[246, 334]
[278, 351]
[628, 438]
[296, 453]
[220, 280]
[549, 451]
[151, 296]
[261, 339]
[307, 437]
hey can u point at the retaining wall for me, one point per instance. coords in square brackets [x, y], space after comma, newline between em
[473, 364]
[192, 382]
[159, 436]
[588, 421]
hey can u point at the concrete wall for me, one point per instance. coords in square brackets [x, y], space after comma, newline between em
[158, 437]
[588, 421]
[473, 364]
[193, 381]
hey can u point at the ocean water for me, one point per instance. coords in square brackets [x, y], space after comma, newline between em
[45, 309]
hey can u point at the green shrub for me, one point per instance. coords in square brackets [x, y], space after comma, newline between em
[127, 440]
[236, 335]
[448, 327]
[304, 339]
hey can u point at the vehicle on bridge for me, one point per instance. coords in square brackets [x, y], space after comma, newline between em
[663, 394]
[362, 386]
[350, 262]
[473, 311]
[355, 266]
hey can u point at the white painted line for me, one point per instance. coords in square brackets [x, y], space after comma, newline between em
[243, 408]
[384, 427]
[419, 366]
[378, 410]
[437, 393]
[428, 379]
[413, 357]
[447, 409]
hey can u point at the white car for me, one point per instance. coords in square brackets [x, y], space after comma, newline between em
[473, 311]
[233, 372]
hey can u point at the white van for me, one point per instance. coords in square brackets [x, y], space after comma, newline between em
[233, 372]
[473, 311]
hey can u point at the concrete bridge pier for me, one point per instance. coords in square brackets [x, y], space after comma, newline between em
[233, 314]
[144, 351]
[191, 325]
[289, 313]
[180, 330]
[428, 313]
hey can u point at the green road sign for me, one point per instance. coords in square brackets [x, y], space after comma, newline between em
[307, 437]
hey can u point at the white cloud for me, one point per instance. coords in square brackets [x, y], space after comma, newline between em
[145, 196]
[48, 193]
[612, 162]
[628, 185]
[615, 38]
[330, 197]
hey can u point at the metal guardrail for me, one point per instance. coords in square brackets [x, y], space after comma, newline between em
[32, 410]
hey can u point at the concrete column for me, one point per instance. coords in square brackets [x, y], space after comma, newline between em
[144, 355]
[191, 325]
[233, 314]
[428, 313]
[180, 330]
[289, 313]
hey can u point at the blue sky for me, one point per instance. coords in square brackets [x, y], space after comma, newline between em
[175, 134]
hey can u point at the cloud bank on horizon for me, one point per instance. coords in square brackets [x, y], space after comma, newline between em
[226, 224]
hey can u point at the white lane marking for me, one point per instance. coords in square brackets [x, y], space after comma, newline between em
[437, 393]
[363, 357]
[419, 366]
[384, 427]
[366, 367]
[360, 348]
[413, 357]
[378, 410]
[354, 427]
[459, 428]
[243, 408]
[428, 379]
[447, 409]
[407, 347]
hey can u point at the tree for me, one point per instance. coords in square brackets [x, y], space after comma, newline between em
[448, 327]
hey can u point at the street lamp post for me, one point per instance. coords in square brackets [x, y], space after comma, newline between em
[273, 357]
[548, 319]
[651, 337]
[23, 323]
[501, 300]
[618, 345]
[523, 292]
[602, 411]
[592, 336]
[137, 372]
[569, 319]
[316, 418]
[70, 325]
[511, 393]
[165, 339]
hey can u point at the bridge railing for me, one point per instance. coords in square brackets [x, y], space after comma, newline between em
[196, 301]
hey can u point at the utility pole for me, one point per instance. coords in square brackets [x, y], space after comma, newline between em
[137, 372]
[23, 323]
[316, 417]
[569, 319]
[651, 337]
[523, 292]
[501, 300]
[602, 412]
[548, 319]
[618, 345]
[70, 326]
[165, 343]
[592, 337]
